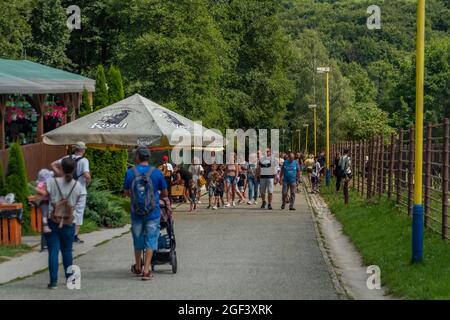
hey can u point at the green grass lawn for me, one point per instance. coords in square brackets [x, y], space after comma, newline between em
[11, 251]
[382, 234]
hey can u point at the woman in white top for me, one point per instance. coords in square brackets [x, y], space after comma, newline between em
[62, 235]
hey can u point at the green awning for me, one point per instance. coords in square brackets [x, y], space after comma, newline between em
[26, 77]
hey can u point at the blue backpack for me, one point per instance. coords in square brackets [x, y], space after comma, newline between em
[142, 193]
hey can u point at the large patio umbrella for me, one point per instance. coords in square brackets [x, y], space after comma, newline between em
[135, 121]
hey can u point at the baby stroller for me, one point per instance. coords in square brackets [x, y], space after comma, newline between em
[166, 253]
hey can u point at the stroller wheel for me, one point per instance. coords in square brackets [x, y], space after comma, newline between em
[173, 262]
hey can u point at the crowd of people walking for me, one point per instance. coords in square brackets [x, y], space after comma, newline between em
[240, 181]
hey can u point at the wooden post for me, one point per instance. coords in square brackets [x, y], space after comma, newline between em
[363, 166]
[370, 169]
[358, 164]
[411, 171]
[445, 177]
[376, 167]
[39, 100]
[399, 166]
[382, 177]
[427, 179]
[391, 166]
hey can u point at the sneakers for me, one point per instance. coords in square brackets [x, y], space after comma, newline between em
[263, 206]
[270, 207]
[255, 202]
[234, 204]
[249, 202]
[199, 202]
[283, 206]
[227, 205]
[292, 209]
[208, 207]
[214, 208]
[52, 286]
[78, 240]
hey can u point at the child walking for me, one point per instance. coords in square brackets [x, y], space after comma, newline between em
[218, 193]
[192, 192]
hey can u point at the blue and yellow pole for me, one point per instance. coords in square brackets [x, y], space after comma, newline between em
[418, 221]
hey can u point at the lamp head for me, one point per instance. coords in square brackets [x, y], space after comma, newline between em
[323, 69]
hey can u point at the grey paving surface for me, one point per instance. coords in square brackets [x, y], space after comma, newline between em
[237, 253]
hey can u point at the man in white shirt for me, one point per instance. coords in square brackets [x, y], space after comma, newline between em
[83, 176]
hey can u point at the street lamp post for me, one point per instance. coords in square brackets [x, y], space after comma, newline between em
[417, 227]
[314, 107]
[306, 139]
[299, 139]
[327, 70]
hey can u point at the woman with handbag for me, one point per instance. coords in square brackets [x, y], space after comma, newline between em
[64, 195]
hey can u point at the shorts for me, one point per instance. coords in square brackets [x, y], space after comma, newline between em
[78, 212]
[211, 191]
[287, 186]
[231, 180]
[145, 233]
[266, 185]
[218, 193]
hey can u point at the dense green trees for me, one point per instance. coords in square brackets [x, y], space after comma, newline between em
[50, 33]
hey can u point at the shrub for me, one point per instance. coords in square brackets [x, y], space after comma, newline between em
[16, 179]
[105, 209]
[85, 107]
[101, 90]
[109, 167]
[115, 85]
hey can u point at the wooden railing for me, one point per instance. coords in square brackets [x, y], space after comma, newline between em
[385, 166]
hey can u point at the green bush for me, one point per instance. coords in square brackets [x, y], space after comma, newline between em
[85, 107]
[17, 180]
[109, 167]
[101, 90]
[105, 209]
[115, 85]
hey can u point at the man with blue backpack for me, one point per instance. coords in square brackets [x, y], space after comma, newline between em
[290, 174]
[144, 185]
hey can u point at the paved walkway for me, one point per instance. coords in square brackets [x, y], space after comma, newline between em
[236, 253]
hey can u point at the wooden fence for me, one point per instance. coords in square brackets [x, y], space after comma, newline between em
[385, 166]
[37, 156]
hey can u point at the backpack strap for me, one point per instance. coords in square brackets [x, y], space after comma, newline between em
[149, 172]
[71, 190]
[59, 189]
[60, 192]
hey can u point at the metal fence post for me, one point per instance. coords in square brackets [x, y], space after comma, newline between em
[427, 179]
[445, 169]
